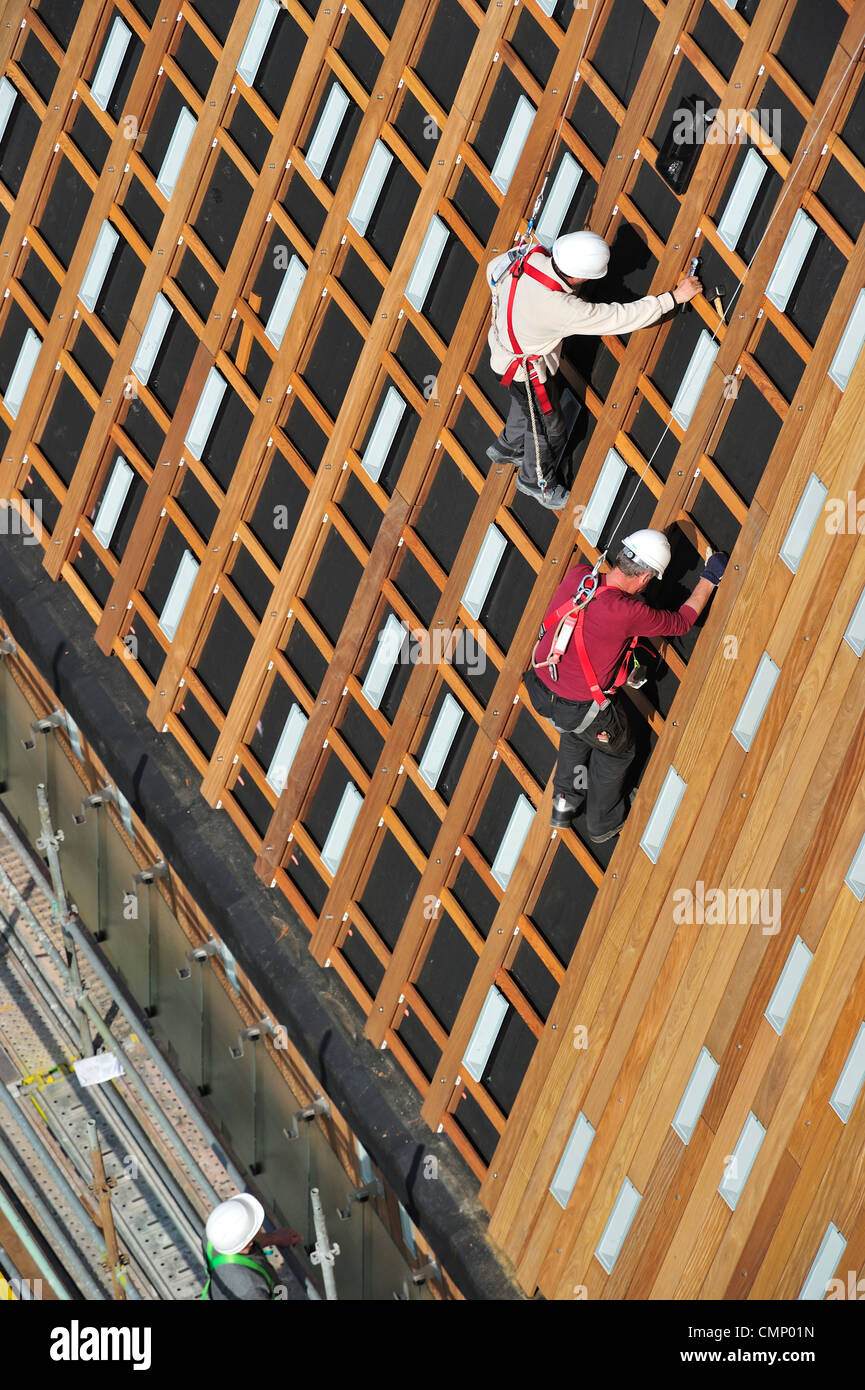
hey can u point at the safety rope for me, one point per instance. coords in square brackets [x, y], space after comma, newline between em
[722, 319]
[530, 393]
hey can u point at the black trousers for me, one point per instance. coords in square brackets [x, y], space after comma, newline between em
[595, 762]
[517, 436]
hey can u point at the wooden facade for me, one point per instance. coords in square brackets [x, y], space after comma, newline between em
[301, 555]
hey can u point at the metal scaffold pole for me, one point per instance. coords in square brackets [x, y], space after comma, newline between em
[324, 1253]
[47, 843]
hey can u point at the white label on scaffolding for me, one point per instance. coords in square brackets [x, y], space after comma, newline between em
[92, 1071]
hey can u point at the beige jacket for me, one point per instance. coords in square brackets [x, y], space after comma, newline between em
[543, 317]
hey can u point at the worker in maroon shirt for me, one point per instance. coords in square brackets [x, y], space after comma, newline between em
[581, 660]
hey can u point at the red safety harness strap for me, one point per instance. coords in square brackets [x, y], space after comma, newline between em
[519, 267]
[568, 620]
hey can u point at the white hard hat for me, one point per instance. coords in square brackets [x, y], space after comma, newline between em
[649, 548]
[581, 255]
[231, 1226]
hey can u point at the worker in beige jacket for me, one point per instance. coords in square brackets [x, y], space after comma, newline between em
[536, 303]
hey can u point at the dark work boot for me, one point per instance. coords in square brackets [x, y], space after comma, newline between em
[553, 495]
[563, 813]
[499, 455]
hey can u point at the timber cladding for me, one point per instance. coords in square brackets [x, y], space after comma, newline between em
[242, 256]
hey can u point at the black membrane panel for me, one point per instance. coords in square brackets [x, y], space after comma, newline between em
[418, 1042]
[227, 438]
[853, 129]
[655, 200]
[748, 439]
[66, 430]
[593, 123]
[450, 288]
[148, 652]
[271, 722]
[91, 569]
[197, 724]
[278, 509]
[445, 514]
[217, 15]
[271, 271]
[119, 289]
[392, 213]
[497, 116]
[416, 586]
[251, 134]
[563, 904]
[161, 128]
[717, 40]
[476, 1127]
[195, 60]
[147, 9]
[319, 815]
[687, 83]
[714, 520]
[17, 144]
[508, 1062]
[164, 568]
[60, 17]
[89, 137]
[144, 214]
[251, 582]
[304, 874]
[364, 288]
[363, 961]
[65, 212]
[781, 363]
[360, 54]
[363, 513]
[624, 44]
[171, 368]
[221, 213]
[390, 889]
[418, 817]
[496, 813]
[508, 596]
[224, 655]
[307, 437]
[40, 284]
[816, 286]
[471, 199]
[446, 972]
[418, 360]
[534, 979]
[304, 209]
[333, 585]
[361, 735]
[417, 128]
[539, 523]
[530, 43]
[196, 284]
[128, 514]
[647, 432]
[532, 747]
[474, 434]
[385, 13]
[446, 52]
[91, 357]
[37, 64]
[333, 359]
[779, 118]
[809, 41]
[304, 657]
[144, 432]
[35, 487]
[252, 803]
[475, 898]
[280, 61]
[682, 338]
[844, 198]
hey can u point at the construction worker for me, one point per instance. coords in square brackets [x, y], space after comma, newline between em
[536, 303]
[584, 655]
[236, 1263]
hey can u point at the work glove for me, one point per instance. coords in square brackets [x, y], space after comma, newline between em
[715, 567]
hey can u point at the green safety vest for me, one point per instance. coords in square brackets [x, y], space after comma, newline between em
[213, 1260]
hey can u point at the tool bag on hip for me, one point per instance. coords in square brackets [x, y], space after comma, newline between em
[214, 1260]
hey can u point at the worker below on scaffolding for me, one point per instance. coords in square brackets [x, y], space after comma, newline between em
[584, 655]
[236, 1264]
[536, 303]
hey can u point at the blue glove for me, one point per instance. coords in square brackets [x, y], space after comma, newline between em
[715, 567]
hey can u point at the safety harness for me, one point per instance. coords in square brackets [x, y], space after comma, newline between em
[214, 1260]
[568, 620]
[535, 390]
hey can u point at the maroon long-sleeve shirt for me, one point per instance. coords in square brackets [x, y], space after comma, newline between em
[611, 621]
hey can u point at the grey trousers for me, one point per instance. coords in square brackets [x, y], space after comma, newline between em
[517, 438]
